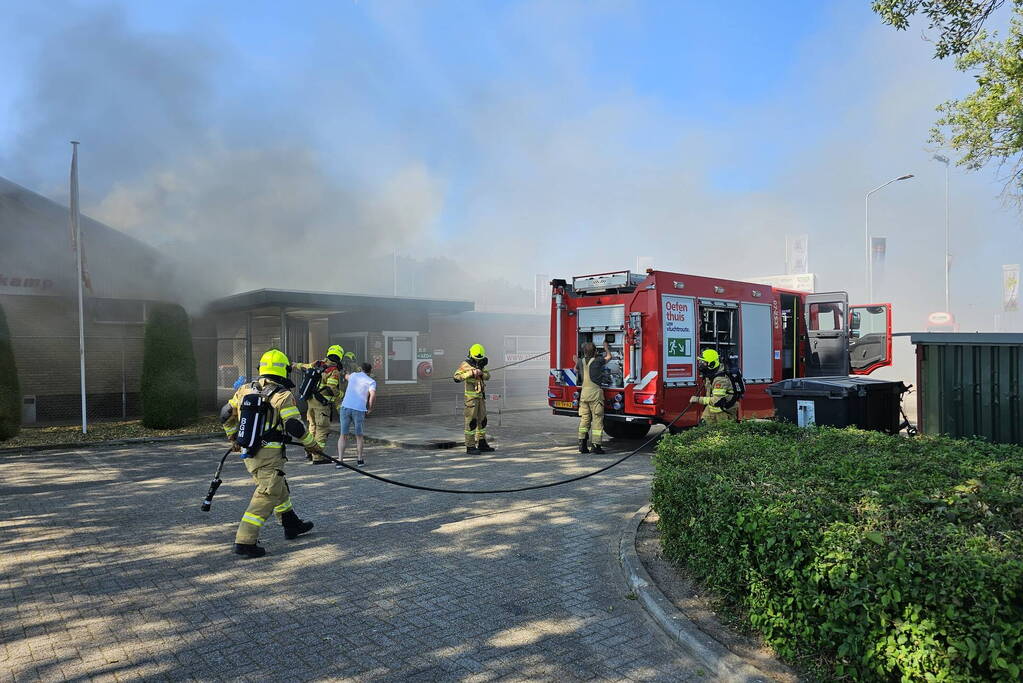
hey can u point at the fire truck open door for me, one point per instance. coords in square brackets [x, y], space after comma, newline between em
[827, 334]
[870, 337]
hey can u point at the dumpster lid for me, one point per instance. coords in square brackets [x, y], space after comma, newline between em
[830, 386]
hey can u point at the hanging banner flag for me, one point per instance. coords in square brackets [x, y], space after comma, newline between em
[878, 251]
[797, 261]
[1010, 287]
[75, 223]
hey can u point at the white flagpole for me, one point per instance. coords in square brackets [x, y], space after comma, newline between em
[76, 230]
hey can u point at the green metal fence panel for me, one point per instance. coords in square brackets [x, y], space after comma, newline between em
[969, 385]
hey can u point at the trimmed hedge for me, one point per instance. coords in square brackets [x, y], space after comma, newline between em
[10, 390]
[170, 383]
[862, 555]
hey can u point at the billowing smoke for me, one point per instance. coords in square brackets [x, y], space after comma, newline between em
[307, 156]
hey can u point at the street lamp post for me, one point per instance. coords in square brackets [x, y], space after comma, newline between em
[944, 159]
[866, 232]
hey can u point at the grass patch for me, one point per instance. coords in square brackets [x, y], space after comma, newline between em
[855, 554]
[104, 431]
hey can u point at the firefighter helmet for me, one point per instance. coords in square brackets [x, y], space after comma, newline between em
[711, 358]
[336, 350]
[274, 362]
[477, 351]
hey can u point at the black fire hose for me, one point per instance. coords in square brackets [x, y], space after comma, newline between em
[215, 484]
[434, 489]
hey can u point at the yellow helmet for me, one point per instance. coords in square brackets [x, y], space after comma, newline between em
[349, 355]
[336, 350]
[711, 358]
[274, 362]
[477, 351]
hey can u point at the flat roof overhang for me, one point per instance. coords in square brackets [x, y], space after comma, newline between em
[303, 304]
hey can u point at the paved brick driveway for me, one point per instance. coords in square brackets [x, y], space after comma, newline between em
[109, 570]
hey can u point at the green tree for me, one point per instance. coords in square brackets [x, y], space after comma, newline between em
[986, 126]
[170, 383]
[10, 390]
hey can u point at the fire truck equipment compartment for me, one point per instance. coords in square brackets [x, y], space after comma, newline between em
[840, 402]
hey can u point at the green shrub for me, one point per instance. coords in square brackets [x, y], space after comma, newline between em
[10, 390]
[863, 555]
[170, 384]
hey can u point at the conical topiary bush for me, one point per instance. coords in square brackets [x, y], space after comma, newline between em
[10, 390]
[170, 383]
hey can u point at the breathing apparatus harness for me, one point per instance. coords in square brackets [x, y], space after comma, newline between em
[254, 416]
[734, 375]
[310, 386]
[481, 363]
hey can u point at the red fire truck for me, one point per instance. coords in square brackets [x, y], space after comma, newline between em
[658, 323]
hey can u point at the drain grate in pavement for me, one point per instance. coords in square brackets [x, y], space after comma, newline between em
[514, 609]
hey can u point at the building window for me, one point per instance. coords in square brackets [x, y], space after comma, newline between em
[518, 348]
[118, 311]
[400, 357]
[353, 343]
[826, 317]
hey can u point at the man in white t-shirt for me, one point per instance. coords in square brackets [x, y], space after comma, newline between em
[358, 402]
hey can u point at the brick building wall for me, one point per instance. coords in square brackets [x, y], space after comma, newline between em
[44, 335]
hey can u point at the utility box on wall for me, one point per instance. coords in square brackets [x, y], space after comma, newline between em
[28, 410]
[968, 384]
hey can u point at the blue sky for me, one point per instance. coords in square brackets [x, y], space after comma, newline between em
[523, 130]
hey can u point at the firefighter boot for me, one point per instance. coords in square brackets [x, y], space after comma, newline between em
[472, 450]
[248, 550]
[595, 448]
[293, 526]
[484, 447]
[582, 446]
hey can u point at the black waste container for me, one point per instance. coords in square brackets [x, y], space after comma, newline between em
[840, 402]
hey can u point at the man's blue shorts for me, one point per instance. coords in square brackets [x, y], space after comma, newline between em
[352, 419]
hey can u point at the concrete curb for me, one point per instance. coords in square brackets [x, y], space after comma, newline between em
[707, 651]
[72, 446]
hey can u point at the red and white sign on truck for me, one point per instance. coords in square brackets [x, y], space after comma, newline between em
[657, 324]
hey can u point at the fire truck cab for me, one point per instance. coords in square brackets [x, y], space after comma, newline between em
[657, 324]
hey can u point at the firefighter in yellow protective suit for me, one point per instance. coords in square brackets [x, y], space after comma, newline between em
[265, 462]
[590, 369]
[324, 399]
[472, 372]
[348, 364]
[720, 395]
